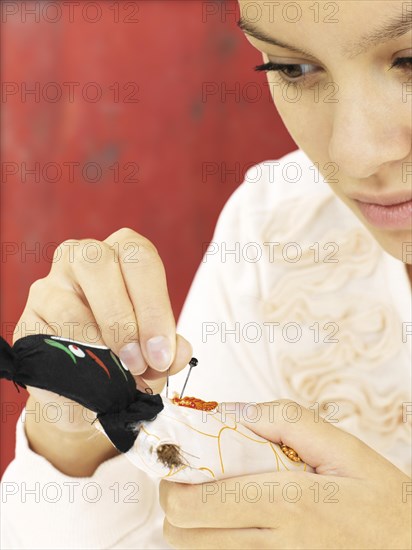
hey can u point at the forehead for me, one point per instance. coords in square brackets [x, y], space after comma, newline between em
[347, 27]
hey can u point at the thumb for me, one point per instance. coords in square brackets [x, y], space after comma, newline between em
[328, 449]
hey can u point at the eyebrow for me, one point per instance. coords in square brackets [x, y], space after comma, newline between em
[397, 27]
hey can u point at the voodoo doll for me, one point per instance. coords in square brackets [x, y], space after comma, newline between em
[183, 439]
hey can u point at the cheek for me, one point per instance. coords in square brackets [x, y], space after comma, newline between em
[307, 121]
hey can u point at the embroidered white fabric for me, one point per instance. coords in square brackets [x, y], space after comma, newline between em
[213, 445]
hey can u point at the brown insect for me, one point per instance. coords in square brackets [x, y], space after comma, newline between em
[170, 455]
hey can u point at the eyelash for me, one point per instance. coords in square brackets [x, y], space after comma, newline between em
[280, 68]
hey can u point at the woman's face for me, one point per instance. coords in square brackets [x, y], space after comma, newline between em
[352, 112]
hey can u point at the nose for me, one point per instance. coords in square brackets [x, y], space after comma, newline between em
[371, 128]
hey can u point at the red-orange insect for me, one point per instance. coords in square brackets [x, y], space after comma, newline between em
[195, 403]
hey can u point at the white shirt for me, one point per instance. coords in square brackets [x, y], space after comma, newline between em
[293, 299]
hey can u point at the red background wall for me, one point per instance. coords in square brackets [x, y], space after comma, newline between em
[200, 107]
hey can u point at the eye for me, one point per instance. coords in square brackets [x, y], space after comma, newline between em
[293, 73]
[76, 351]
[402, 63]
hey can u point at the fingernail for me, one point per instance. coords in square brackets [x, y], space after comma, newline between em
[159, 351]
[131, 356]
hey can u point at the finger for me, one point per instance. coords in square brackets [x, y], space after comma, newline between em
[319, 443]
[215, 538]
[156, 380]
[145, 279]
[31, 323]
[138, 366]
[63, 313]
[96, 271]
[270, 500]
[226, 503]
[131, 354]
[184, 353]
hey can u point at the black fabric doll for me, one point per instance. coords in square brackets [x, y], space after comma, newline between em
[88, 374]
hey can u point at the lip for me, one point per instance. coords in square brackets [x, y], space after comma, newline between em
[389, 200]
[391, 212]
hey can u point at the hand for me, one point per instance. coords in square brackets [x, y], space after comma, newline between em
[356, 498]
[111, 293]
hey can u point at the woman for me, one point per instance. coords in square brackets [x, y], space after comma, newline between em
[304, 294]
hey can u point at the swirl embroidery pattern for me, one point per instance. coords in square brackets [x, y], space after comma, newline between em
[348, 365]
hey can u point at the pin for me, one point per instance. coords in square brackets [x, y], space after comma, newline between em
[193, 362]
[167, 383]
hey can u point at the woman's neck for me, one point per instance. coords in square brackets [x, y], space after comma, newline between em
[409, 272]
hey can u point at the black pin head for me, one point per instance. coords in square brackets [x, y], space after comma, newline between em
[192, 363]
